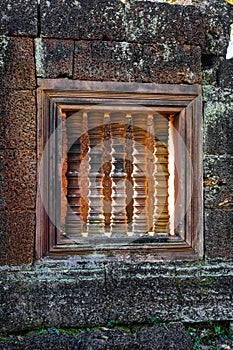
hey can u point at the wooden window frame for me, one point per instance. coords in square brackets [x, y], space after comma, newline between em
[57, 95]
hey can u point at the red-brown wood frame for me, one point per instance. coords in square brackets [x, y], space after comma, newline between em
[182, 101]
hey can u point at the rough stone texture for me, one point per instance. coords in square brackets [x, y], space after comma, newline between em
[168, 64]
[83, 19]
[51, 342]
[65, 299]
[105, 60]
[209, 70]
[163, 23]
[17, 67]
[134, 62]
[218, 182]
[218, 15]
[218, 233]
[18, 120]
[108, 340]
[54, 58]
[17, 180]
[16, 237]
[172, 336]
[225, 74]
[18, 17]
[84, 295]
[218, 122]
[147, 296]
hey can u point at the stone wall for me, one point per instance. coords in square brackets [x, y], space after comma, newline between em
[112, 40]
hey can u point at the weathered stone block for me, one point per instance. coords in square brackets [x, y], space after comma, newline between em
[209, 70]
[61, 298]
[169, 64]
[18, 120]
[51, 342]
[54, 58]
[139, 295]
[17, 67]
[225, 74]
[218, 16]
[218, 122]
[17, 231]
[83, 19]
[18, 17]
[148, 22]
[159, 337]
[218, 233]
[134, 62]
[105, 60]
[218, 182]
[17, 179]
[108, 340]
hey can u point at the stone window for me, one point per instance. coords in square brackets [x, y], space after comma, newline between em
[119, 169]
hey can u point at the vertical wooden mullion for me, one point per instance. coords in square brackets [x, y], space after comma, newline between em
[51, 205]
[73, 215]
[189, 173]
[180, 173]
[58, 172]
[197, 220]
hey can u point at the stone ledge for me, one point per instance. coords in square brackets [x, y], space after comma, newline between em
[90, 294]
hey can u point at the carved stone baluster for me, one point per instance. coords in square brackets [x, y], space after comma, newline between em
[140, 218]
[118, 223]
[161, 216]
[107, 167]
[150, 173]
[129, 171]
[95, 222]
[84, 168]
[73, 215]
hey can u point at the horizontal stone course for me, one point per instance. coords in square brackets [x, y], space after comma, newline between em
[83, 19]
[134, 62]
[150, 22]
[89, 294]
[157, 337]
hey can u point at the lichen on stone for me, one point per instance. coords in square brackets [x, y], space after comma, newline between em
[39, 55]
[3, 47]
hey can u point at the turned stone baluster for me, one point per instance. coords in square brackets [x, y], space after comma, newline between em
[150, 173]
[95, 221]
[118, 223]
[140, 218]
[161, 215]
[107, 167]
